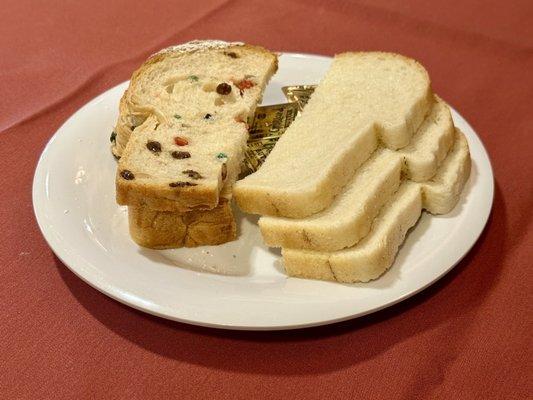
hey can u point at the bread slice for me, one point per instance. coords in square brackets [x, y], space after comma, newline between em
[364, 98]
[173, 229]
[182, 127]
[170, 229]
[423, 155]
[374, 254]
[441, 193]
[349, 217]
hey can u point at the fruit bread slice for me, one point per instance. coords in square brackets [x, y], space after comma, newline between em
[172, 229]
[349, 217]
[364, 98]
[373, 255]
[182, 124]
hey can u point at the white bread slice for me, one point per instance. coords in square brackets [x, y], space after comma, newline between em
[441, 193]
[203, 93]
[362, 98]
[423, 155]
[373, 255]
[349, 217]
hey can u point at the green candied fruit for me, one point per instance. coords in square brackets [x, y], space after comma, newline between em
[193, 78]
[113, 137]
[221, 155]
[177, 116]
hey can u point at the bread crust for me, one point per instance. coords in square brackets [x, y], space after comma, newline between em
[163, 229]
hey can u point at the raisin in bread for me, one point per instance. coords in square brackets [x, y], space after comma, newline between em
[182, 125]
[364, 98]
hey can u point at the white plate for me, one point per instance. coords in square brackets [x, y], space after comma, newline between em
[74, 201]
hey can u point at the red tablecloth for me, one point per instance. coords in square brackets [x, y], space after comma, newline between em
[468, 336]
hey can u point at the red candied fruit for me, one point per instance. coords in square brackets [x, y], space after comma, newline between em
[181, 141]
[244, 84]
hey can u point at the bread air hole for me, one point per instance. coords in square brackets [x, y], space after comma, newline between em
[171, 82]
[137, 120]
[220, 101]
[209, 87]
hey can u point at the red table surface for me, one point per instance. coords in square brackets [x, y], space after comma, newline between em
[468, 336]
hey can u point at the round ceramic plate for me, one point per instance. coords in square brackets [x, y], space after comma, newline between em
[74, 201]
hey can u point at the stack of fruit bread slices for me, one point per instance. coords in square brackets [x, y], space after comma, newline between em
[180, 139]
[351, 175]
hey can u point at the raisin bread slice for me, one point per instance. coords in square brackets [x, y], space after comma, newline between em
[172, 229]
[182, 123]
[364, 98]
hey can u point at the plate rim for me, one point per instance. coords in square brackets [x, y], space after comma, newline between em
[80, 270]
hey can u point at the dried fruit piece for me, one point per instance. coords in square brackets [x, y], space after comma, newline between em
[127, 174]
[180, 155]
[245, 84]
[153, 146]
[182, 184]
[192, 174]
[224, 171]
[177, 116]
[193, 78]
[181, 141]
[113, 137]
[221, 155]
[223, 88]
[208, 116]
[231, 54]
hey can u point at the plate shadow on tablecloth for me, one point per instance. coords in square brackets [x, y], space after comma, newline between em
[449, 303]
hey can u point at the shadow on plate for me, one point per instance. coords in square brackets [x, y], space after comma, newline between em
[232, 258]
[448, 307]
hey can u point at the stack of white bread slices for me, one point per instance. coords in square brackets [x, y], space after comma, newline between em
[341, 188]
[180, 139]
